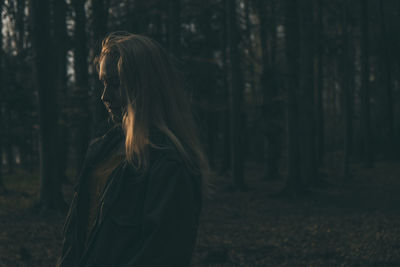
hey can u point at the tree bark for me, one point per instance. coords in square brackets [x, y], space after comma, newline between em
[2, 186]
[20, 27]
[294, 183]
[8, 146]
[365, 72]
[235, 88]
[174, 27]
[387, 70]
[81, 81]
[270, 109]
[347, 64]
[60, 68]
[50, 187]
[226, 123]
[307, 89]
[319, 105]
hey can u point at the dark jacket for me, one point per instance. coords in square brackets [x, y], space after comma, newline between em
[144, 218]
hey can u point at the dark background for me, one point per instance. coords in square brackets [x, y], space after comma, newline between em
[297, 102]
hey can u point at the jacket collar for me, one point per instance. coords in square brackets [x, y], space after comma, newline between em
[99, 148]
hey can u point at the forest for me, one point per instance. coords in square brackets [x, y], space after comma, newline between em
[297, 102]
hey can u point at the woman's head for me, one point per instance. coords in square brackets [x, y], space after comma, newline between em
[143, 91]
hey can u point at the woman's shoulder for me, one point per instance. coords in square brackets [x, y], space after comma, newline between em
[165, 155]
[161, 147]
[169, 161]
[166, 152]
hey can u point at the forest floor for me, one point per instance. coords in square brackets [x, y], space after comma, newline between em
[356, 223]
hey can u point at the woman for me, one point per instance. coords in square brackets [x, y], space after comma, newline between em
[138, 197]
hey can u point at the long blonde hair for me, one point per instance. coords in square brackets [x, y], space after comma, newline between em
[155, 98]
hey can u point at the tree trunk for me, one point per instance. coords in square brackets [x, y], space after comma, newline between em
[388, 84]
[271, 110]
[248, 33]
[23, 49]
[319, 105]
[365, 72]
[294, 183]
[136, 18]
[347, 63]
[8, 146]
[50, 187]
[60, 64]
[225, 117]
[174, 27]
[235, 86]
[81, 81]
[2, 187]
[307, 89]
[20, 28]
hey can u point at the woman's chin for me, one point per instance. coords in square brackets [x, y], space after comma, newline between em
[115, 118]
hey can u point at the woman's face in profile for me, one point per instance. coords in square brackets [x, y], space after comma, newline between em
[112, 94]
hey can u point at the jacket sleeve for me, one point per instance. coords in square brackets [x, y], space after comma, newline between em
[68, 255]
[170, 218]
